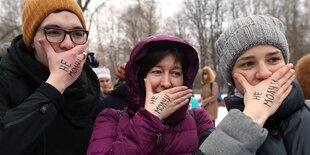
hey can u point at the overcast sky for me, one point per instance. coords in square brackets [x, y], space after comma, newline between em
[167, 7]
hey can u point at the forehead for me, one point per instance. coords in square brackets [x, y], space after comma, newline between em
[170, 59]
[62, 19]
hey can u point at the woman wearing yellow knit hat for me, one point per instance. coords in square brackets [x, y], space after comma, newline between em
[48, 97]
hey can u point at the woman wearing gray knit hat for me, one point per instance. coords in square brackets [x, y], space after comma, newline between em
[267, 114]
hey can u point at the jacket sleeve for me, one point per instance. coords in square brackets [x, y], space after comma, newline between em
[137, 136]
[204, 124]
[237, 134]
[21, 125]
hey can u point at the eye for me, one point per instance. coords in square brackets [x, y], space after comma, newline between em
[156, 72]
[54, 32]
[177, 73]
[78, 33]
[246, 64]
[274, 59]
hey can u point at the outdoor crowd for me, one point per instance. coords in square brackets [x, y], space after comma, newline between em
[52, 102]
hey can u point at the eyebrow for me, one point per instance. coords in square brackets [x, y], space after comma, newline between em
[57, 26]
[273, 53]
[245, 58]
[268, 54]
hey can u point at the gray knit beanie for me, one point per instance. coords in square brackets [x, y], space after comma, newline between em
[245, 33]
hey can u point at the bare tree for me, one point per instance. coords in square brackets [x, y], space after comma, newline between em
[197, 12]
[10, 20]
[295, 15]
[107, 40]
[139, 21]
[83, 4]
[297, 28]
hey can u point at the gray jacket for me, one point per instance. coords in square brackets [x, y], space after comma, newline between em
[237, 134]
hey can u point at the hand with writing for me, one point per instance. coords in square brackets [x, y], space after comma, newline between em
[263, 99]
[65, 67]
[164, 103]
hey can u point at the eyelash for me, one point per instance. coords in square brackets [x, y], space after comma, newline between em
[156, 71]
[274, 59]
[177, 73]
[249, 63]
[246, 64]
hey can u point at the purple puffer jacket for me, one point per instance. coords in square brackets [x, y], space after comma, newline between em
[144, 134]
[137, 131]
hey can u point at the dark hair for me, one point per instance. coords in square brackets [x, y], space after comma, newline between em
[154, 55]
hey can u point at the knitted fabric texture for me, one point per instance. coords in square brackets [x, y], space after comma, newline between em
[35, 11]
[245, 33]
[102, 72]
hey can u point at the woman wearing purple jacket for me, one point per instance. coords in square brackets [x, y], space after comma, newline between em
[159, 78]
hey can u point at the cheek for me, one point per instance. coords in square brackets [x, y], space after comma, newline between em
[177, 82]
[39, 53]
[249, 75]
[238, 86]
[274, 68]
[154, 81]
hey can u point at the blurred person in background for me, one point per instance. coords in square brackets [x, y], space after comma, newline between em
[209, 92]
[91, 60]
[303, 74]
[117, 98]
[120, 75]
[104, 77]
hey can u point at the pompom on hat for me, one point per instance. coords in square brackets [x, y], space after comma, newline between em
[35, 11]
[102, 72]
[245, 33]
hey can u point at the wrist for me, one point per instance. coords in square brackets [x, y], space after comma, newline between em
[57, 85]
[153, 112]
[259, 118]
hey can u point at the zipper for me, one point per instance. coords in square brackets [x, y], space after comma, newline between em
[158, 138]
[25, 117]
[43, 109]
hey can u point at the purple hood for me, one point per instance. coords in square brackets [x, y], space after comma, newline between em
[135, 95]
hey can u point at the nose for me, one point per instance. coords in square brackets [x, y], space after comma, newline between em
[67, 43]
[263, 72]
[165, 81]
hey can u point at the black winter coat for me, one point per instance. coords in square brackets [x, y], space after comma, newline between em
[288, 128]
[35, 118]
[117, 99]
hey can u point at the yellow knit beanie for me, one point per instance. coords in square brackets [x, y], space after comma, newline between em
[35, 11]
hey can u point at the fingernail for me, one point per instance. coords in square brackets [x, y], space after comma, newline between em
[290, 64]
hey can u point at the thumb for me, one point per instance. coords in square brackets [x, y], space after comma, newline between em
[148, 87]
[240, 78]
